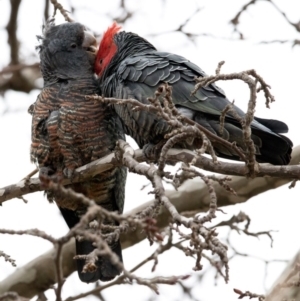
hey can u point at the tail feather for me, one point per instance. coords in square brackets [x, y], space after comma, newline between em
[276, 149]
[276, 126]
[105, 269]
[271, 147]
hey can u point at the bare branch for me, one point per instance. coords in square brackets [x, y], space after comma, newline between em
[64, 12]
[235, 21]
[19, 67]
[8, 258]
[12, 32]
[249, 294]
[46, 10]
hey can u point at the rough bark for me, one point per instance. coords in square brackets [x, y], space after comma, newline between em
[286, 287]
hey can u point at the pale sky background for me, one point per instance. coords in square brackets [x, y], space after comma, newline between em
[278, 64]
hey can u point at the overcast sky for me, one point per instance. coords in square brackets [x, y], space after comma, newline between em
[278, 64]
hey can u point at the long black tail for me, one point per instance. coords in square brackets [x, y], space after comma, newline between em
[271, 146]
[105, 269]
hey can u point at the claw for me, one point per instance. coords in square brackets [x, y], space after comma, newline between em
[45, 174]
[68, 172]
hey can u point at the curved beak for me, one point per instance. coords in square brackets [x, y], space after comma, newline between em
[89, 42]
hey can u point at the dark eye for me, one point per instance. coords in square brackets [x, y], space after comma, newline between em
[101, 61]
[73, 45]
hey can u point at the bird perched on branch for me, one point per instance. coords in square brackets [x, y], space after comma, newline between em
[129, 66]
[69, 131]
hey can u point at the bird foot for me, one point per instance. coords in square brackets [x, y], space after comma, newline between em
[47, 174]
[69, 172]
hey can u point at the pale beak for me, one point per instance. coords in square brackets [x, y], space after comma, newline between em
[89, 42]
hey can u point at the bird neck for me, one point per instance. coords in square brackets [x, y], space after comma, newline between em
[61, 66]
[128, 44]
[83, 85]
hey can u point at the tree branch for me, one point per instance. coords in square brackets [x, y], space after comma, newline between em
[286, 173]
[195, 191]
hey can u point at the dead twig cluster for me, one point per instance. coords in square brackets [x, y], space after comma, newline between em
[252, 79]
[200, 237]
[242, 217]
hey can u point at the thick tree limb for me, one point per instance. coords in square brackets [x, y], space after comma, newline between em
[288, 173]
[286, 286]
[39, 274]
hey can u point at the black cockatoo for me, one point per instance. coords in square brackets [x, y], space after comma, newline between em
[69, 131]
[129, 66]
